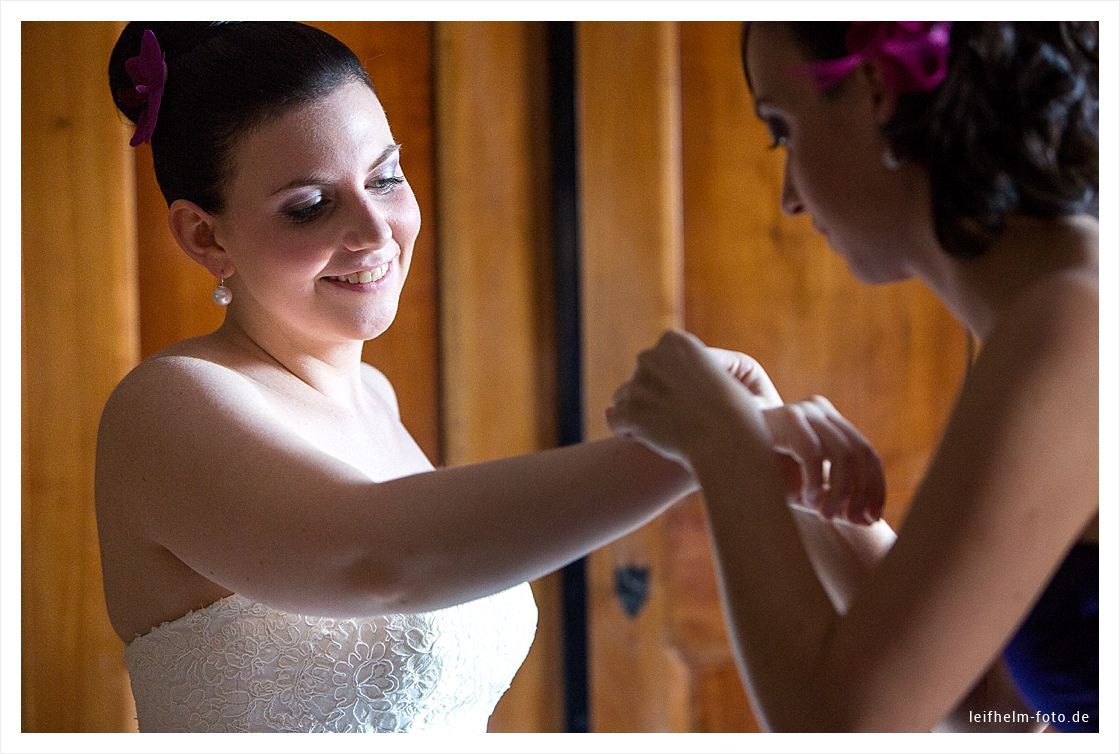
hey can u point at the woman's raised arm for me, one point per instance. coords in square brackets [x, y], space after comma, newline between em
[233, 493]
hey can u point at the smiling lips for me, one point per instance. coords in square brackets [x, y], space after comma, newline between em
[364, 276]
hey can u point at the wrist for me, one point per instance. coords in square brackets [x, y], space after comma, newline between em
[737, 437]
[738, 470]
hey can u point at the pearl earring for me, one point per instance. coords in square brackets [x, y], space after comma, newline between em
[890, 161]
[222, 294]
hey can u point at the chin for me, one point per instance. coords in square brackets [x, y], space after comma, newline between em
[872, 268]
[370, 327]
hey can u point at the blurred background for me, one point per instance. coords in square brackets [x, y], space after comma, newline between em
[584, 186]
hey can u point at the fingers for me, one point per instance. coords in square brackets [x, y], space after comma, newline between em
[680, 387]
[868, 498]
[675, 342]
[749, 373]
[794, 435]
[842, 476]
[678, 395]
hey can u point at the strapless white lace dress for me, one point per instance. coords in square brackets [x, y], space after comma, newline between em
[238, 665]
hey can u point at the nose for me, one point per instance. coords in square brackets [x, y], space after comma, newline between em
[368, 225]
[791, 200]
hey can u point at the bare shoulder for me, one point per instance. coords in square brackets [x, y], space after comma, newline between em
[1071, 292]
[160, 388]
[163, 400]
[376, 380]
[1025, 426]
[149, 431]
[1055, 322]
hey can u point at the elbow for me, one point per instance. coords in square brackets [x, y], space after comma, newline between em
[397, 583]
[376, 586]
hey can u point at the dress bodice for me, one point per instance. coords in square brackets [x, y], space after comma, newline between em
[238, 665]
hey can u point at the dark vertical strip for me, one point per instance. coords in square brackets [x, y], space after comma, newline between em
[565, 244]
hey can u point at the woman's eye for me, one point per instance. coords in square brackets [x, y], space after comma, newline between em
[306, 212]
[778, 134]
[385, 184]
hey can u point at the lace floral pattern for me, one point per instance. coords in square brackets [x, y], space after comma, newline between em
[237, 665]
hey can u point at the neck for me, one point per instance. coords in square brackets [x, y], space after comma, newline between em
[332, 369]
[1029, 250]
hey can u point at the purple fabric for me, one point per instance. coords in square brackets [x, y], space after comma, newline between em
[148, 72]
[914, 54]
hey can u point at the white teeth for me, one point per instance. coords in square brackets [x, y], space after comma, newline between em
[365, 276]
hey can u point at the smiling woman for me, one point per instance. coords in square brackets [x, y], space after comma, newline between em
[287, 246]
[278, 552]
[259, 501]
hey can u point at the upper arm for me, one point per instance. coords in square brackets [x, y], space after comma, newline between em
[1010, 488]
[197, 457]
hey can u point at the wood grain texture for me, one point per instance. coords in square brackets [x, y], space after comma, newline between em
[79, 337]
[630, 178]
[496, 314]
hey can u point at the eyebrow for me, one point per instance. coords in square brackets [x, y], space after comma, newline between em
[314, 180]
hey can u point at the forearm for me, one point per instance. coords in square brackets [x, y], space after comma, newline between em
[463, 532]
[779, 615]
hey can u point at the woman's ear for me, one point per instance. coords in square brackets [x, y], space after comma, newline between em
[193, 228]
[884, 98]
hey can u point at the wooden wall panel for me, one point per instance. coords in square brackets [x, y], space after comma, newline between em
[630, 177]
[79, 337]
[496, 289]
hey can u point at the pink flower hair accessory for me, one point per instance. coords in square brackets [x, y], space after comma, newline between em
[914, 54]
[148, 73]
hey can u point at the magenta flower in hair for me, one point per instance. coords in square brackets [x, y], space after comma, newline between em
[914, 54]
[148, 73]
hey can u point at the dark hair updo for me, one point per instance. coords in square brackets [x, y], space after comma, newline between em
[224, 79]
[1011, 130]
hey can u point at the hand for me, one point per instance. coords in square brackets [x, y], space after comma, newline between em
[837, 473]
[830, 467]
[750, 374]
[682, 392]
[680, 389]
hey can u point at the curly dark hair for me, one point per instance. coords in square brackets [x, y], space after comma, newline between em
[1013, 128]
[224, 79]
